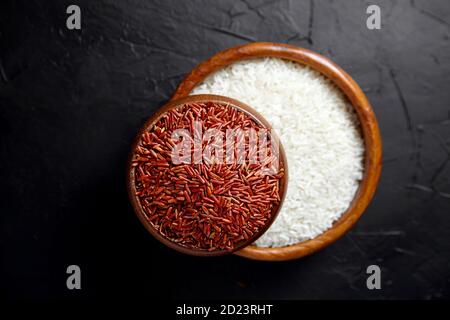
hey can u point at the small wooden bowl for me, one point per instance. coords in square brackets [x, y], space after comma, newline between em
[369, 126]
[131, 186]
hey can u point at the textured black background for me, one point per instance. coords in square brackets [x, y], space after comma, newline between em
[71, 102]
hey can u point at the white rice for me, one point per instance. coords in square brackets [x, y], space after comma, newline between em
[319, 131]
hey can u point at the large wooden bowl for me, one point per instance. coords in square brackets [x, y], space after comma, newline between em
[357, 98]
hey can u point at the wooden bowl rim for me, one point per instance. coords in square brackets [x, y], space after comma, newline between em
[151, 121]
[366, 116]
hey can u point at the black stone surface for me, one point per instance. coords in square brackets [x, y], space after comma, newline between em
[72, 101]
